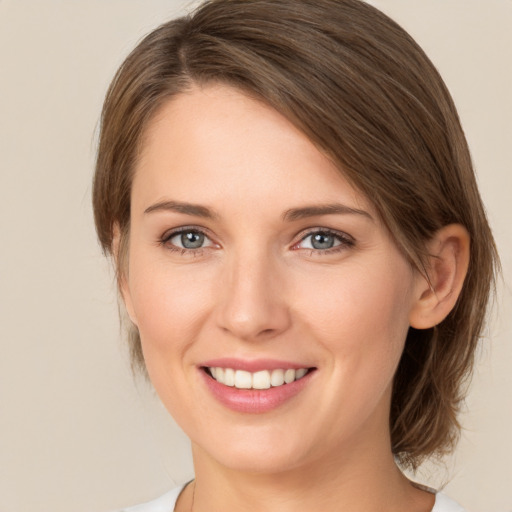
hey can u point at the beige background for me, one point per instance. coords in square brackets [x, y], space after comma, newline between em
[76, 433]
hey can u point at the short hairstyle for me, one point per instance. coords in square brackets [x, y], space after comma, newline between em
[365, 93]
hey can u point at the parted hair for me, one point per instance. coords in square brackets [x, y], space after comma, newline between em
[366, 94]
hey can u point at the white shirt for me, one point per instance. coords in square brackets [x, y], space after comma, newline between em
[167, 502]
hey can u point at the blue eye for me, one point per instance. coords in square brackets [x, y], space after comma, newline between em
[187, 239]
[323, 240]
[192, 240]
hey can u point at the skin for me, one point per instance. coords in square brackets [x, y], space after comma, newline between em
[258, 289]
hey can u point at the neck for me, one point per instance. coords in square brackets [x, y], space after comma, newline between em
[351, 478]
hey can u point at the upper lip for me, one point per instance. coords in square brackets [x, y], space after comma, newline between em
[253, 365]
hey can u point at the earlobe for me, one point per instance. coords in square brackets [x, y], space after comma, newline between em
[447, 268]
[119, 253]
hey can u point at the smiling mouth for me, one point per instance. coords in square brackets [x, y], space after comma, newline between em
[264, 379]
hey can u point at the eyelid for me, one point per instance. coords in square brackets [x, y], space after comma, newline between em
[171, 233]
[345, 240]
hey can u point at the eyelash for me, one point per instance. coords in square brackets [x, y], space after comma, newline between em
[183, 251]
[345, 241]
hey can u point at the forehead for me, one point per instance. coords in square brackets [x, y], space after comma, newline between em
[217, 143]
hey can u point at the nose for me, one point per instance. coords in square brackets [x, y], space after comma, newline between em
[252, 304]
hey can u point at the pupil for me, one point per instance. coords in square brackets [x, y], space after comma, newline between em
[322, 241]
[192, 240]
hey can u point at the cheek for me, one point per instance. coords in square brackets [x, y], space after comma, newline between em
[171, 308]
[169, 303]
[361, 313]
[360, 318]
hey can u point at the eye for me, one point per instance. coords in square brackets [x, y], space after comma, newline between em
[320, 240]
[324, 240]
[187, 239]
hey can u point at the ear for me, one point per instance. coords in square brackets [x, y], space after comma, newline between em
[120, 253]
[447, 268]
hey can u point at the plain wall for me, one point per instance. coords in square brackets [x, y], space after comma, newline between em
[77, 434]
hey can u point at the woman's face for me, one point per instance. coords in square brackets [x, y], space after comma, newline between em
[251, 253]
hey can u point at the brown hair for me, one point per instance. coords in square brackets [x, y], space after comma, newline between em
[362, 90]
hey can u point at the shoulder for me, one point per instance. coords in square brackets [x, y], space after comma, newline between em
[445, 504]
[165, 503]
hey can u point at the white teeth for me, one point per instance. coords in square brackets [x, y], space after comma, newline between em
[277, 378]
[289, 376]
[243, 379]
[263, 379]
[300, 373]
[229, 377]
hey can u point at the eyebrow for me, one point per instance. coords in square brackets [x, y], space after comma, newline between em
[179, 207]
[290, 215]
[323, 209]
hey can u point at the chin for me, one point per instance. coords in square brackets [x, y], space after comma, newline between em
[252, 453]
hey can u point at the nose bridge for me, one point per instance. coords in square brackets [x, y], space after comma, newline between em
[252, 304]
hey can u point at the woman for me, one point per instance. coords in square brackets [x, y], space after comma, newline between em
[301, 248]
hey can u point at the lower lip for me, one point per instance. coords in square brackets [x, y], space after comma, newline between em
[254, 400]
